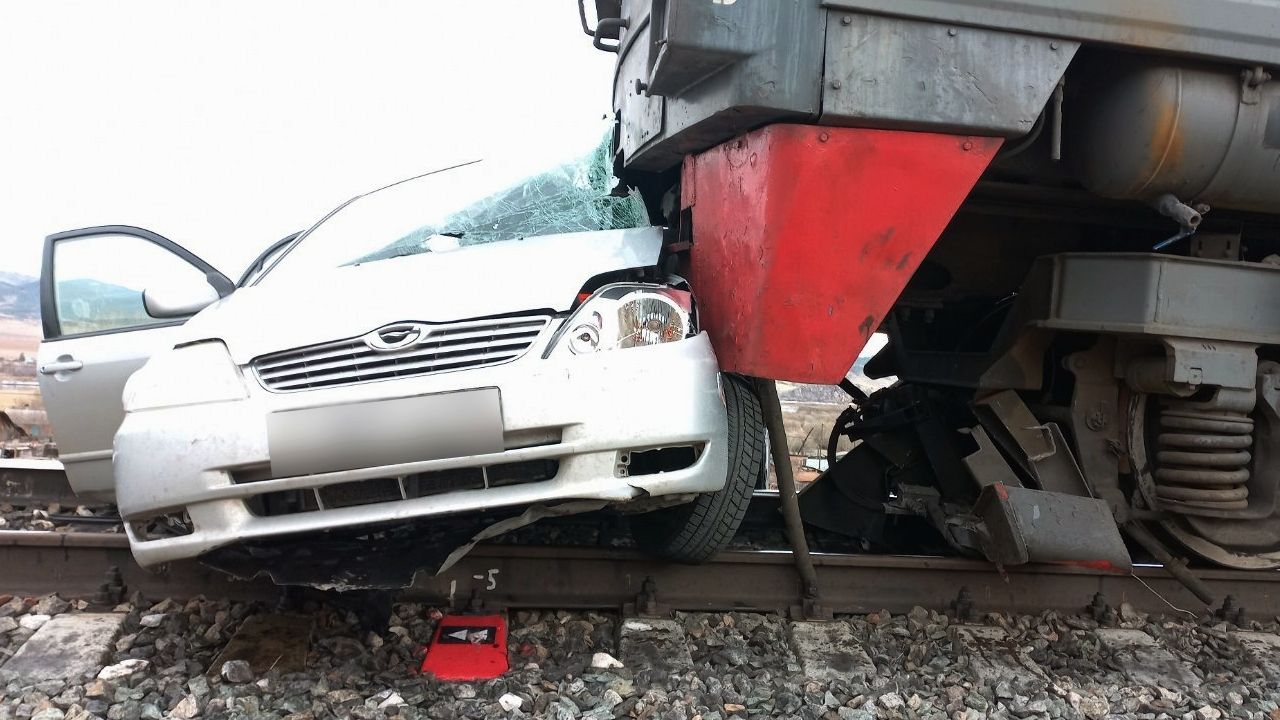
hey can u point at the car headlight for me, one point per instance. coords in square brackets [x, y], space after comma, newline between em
[202, 372]
[626, 315]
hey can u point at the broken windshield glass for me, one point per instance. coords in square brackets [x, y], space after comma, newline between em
[467, 205]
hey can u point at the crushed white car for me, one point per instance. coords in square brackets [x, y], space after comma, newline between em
[428, 350]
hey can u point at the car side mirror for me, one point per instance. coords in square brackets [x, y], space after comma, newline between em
[178, 300]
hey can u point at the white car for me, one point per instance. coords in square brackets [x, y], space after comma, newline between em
[424, 351]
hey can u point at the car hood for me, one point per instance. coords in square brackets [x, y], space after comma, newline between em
[541, 273]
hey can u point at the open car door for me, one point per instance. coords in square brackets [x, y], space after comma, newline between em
[110, 296]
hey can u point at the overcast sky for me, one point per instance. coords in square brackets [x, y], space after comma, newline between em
[227, 125]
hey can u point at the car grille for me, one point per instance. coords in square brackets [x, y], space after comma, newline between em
[382, 490]
[453, 346]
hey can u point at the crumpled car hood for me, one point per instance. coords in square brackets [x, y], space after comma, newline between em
[542, 273]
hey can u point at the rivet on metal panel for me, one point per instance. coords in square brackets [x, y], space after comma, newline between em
[836, 84]
[1053, 46]
[951, 32]
[823, 137]
[846, 20]
[967, 146]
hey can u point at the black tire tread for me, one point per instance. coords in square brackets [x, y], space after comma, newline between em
[698, 530]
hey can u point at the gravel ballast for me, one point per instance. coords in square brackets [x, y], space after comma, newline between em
[565, 665]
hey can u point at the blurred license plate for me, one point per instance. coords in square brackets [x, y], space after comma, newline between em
[384, 432]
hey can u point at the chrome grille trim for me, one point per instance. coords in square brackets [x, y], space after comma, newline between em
[444, 347]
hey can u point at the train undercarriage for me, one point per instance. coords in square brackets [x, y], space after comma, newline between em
[1147, 402]
[1056, 344]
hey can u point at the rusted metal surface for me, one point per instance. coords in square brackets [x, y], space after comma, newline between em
[1095, 420]
[892, 72]
[1162, 130]
[788, 501]
[793, 288]
[1228, 29]
[501, 576]
[1022, 525]
[693, 74]
[75, 564]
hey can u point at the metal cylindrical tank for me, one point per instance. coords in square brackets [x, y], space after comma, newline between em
[1140, 127]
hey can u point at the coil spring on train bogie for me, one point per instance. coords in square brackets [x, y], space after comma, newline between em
[1202, 461]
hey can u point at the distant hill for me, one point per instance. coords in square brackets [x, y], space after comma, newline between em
[86, 305]
[19, 296]
[13, 278]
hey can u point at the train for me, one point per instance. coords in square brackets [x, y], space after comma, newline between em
[1065, 216]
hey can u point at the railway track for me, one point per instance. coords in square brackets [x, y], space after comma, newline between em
[74, 564]
[712, 640]
[37, 481]
[507, 576]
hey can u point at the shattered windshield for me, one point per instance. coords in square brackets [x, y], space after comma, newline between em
[463, 205]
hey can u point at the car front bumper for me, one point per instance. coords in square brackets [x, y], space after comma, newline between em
[585, 413]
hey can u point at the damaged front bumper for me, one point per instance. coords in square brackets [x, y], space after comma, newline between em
[196, 478]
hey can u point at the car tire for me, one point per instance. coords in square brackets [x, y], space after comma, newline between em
[762, 481]
[695, 531]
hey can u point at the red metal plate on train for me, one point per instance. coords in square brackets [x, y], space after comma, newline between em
[804, 236]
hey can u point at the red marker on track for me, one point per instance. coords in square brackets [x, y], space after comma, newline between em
[468, 647]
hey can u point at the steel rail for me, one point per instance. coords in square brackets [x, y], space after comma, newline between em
[35, 481]
[507, 576]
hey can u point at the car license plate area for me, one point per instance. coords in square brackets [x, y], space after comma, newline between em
[384, 432]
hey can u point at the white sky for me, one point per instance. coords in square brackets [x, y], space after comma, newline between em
[225, 125]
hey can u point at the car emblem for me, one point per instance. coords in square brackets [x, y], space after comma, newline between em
[395, 337]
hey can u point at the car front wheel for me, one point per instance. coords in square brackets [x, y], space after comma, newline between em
[695, 531]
